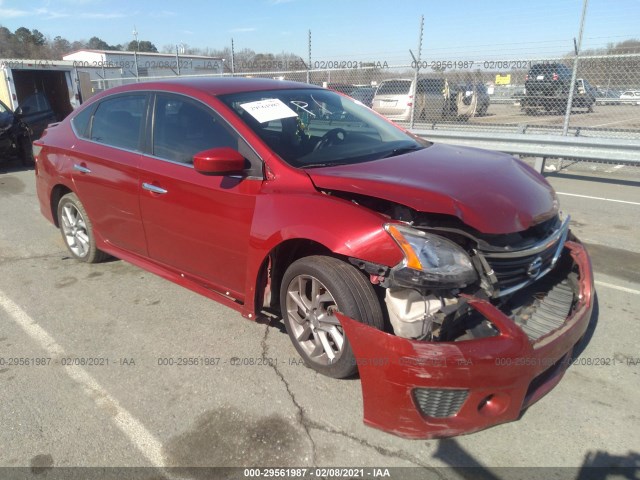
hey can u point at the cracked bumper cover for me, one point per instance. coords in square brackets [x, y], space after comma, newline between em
[502, 375]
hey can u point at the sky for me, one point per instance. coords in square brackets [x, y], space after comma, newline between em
[358, 30]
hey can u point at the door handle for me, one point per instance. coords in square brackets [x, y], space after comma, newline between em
[153, 188]
[81, 169]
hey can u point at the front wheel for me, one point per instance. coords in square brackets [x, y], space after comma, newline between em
[77, 231]
[313, 289]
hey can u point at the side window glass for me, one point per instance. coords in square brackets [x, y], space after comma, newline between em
[117, 121]
[81, 122]
[182, 128]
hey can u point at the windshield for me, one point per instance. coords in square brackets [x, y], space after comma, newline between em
[315, 128]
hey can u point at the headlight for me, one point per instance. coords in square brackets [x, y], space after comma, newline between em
[430, 260]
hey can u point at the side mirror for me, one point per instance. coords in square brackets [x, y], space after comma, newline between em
[219, 161]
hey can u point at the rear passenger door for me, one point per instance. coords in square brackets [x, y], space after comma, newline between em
[105, 168]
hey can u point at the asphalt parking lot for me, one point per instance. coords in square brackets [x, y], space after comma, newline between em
[607, 117]
[257, 405]
[603, 116]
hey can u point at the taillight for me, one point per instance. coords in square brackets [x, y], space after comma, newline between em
[526, 77]
[555, 76]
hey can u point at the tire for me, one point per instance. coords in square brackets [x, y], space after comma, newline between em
[77, 230]
[308, 317]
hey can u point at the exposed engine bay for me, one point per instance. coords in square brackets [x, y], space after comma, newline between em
[528, 275]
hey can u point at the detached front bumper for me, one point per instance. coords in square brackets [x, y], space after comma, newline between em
[419, 389]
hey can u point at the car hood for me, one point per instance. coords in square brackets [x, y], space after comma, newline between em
[489, 191]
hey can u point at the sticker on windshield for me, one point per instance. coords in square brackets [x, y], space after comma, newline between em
[267, 110]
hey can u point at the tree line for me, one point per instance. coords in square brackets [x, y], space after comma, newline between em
[33, 44]
[25, 43]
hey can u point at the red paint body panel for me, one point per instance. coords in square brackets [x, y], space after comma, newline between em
[110, 193]
[503, 366]
[201, 226]
[489, 191]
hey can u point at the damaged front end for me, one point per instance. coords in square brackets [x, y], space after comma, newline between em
[480, 326]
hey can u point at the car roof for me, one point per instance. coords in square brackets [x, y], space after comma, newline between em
[211, 86]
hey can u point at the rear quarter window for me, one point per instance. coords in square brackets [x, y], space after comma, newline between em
[81, 121]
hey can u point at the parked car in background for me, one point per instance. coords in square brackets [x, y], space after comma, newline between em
[468, 91]
[19, 128]
[631, 95]
[605, 96]
[432, 97]
[547, 88]
[14, 135]
[364, 95]
[431, 270]
[394, 99]
[36, 111]
[345, 88]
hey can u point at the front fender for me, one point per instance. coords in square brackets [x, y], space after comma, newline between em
[343, 227]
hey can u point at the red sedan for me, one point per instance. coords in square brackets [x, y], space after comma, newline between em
[445, 276]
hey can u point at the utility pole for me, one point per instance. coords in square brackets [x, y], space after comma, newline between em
[309, 65]
[576, 45]
[233, 60]
[177, 61]
[415, 76]
[135, 52]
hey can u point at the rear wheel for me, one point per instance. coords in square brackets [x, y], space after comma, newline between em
[313, 289]
[77, 230]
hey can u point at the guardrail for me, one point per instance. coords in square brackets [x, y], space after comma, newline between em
[524, 128]
[599, 100]
[606, 150]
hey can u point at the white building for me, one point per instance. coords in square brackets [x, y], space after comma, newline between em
[108, 68]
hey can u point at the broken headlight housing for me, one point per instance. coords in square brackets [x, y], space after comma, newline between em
[430, 261]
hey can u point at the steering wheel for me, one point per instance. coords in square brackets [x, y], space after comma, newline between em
[332, 137]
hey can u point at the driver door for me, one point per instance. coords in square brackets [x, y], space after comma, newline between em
[196, 224]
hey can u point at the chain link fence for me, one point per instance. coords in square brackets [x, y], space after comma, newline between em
[595, 93]
[525, 96]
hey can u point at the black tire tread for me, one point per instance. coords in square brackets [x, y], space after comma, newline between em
[95, 255]
[365, 308]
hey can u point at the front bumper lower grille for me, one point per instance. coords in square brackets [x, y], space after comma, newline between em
[439, 403]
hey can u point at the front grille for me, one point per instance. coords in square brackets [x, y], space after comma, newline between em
[439, 403]
[516, 269]
[511, 272]
[544, 306]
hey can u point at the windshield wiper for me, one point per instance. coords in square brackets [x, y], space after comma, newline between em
[326, 164]
[400, 151]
